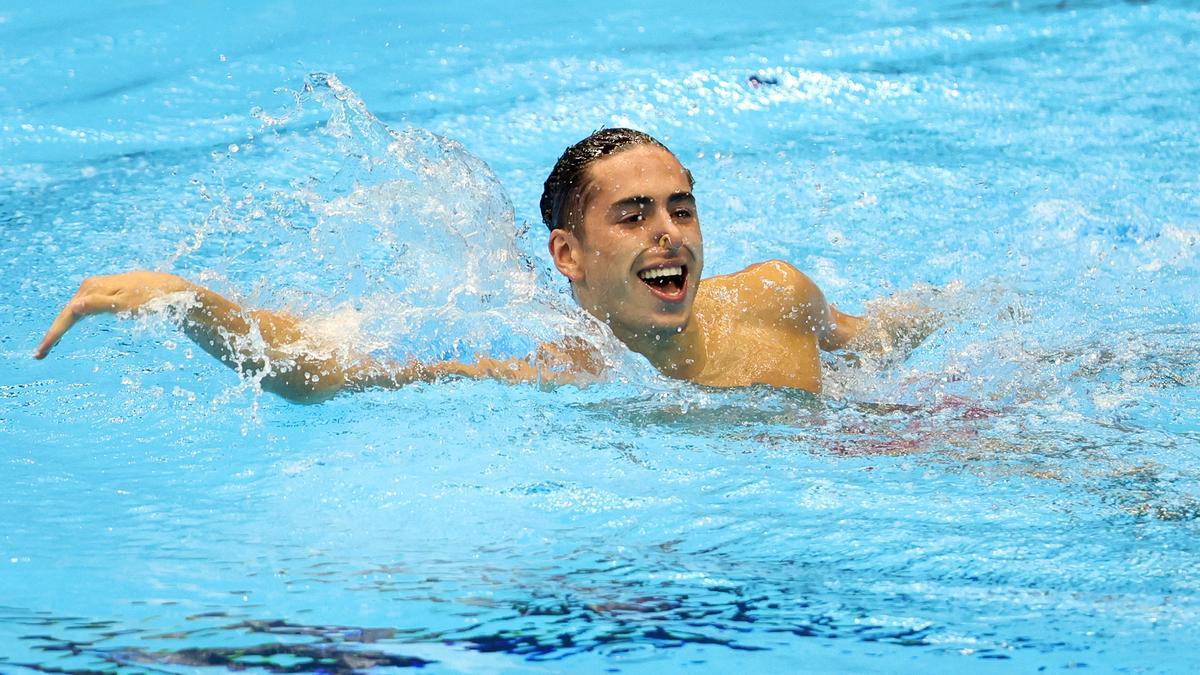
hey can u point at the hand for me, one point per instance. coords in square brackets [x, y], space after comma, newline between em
[109, 294]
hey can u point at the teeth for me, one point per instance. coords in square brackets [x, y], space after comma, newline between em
[661, 272]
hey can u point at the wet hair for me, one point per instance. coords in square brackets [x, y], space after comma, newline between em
[564, 187]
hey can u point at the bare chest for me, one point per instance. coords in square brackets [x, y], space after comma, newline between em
[745, 352]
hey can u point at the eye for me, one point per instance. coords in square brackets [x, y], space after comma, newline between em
[632, 218]
[684, 214]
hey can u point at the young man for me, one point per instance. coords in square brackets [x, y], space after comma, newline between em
[624, 230]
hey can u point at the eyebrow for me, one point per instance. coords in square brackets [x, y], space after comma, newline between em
[642, 201]
[681, 197]
[637, 202]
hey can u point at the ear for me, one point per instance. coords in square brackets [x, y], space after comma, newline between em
[566, 253]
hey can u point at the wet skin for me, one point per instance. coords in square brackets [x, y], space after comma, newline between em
[763, 325]
[633, 255]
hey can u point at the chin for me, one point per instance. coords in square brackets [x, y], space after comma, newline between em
[667, 325]
[649, 320]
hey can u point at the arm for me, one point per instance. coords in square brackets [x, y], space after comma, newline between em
[892, 326]
[259, 342]
[841, 330]
[789, 293]
[274, 345]
[889, 324]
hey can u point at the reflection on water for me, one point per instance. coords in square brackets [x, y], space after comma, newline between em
[549, 628]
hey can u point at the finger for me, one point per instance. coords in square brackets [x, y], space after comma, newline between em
[76, 309]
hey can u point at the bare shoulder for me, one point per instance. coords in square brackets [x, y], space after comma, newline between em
[785, 277]
[773, 288]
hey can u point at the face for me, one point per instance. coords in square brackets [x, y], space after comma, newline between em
[635, 256]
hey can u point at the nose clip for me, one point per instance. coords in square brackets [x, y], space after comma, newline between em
[664, 241]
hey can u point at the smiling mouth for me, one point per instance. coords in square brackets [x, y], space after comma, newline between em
[668, 283]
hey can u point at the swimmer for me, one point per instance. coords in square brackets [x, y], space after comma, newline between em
[624, 230]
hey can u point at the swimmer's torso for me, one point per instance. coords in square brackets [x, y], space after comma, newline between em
[757, 329]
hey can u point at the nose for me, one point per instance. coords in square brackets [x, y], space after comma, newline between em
[666, 233]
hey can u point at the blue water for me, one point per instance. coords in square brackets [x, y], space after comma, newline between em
[1019, 492]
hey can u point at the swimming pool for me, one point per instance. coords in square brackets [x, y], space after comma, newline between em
[1021, 491]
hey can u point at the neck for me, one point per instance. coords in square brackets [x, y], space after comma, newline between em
[678, 354]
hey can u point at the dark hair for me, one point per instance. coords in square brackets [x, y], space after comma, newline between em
[565, 184]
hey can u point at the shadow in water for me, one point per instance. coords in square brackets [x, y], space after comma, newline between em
[545, 629]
